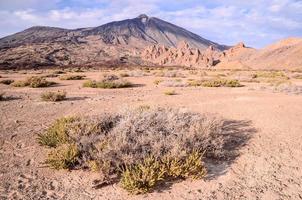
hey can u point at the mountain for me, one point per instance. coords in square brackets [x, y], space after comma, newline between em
[113, 42]
[284, 54]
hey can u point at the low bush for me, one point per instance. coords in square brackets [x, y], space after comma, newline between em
[221, 83]
[53, 96]
[139, 147]
[34, 82]
[63, 157]
[269, 74]
[170, 92]
[72, 77]
[108, 84]
[7, 81]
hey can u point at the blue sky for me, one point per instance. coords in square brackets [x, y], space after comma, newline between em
[257, 23]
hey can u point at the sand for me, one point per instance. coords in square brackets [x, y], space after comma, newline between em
[268, 167]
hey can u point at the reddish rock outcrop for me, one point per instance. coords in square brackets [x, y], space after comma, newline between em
[182, 55]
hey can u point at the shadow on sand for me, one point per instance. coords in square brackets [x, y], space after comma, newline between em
[236, 135]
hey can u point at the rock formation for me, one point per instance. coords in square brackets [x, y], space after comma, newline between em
[182, 55]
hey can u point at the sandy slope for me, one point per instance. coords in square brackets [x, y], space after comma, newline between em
[269, 166]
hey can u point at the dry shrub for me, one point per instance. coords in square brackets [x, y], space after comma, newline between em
[170, 92]
[170, 74]
[7, 81]
[269, 74]
[141, 146]
[63, 157]
[34, 82]
[108, 82]
[174, 83]
[53, 96]
[221, 83]
[72, 77]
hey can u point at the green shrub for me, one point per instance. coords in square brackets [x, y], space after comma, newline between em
[108, 84]
[142, 177]
[7, 81]
[53, 96]
[270, 74]
[34, 82]
[221, 83]
[57, 134]
[63, 157]
[72, 77]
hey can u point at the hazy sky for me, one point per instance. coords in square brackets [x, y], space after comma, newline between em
[256, 22]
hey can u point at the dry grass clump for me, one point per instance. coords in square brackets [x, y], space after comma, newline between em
[221, 83]
[297, 76]
[72, 77]
[170, 92]
[34, 82]
[135, 73]
[170, 74]
[53, 96]
[108, 82]
[138, 147]
[174, 83]
[269, 74]
[7, 81]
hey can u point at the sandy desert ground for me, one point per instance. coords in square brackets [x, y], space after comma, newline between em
[268, 167]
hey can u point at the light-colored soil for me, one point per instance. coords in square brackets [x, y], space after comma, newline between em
[269, 165]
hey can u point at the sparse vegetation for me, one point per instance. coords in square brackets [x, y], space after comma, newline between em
[157, 81]
[108, 82]
[170, 92]
[221, 83]
[7, 81]
[72, 77]
[63, 157]
[170, 74]
[53, 96]
[141, 146]
[34, 82]
[269, 74]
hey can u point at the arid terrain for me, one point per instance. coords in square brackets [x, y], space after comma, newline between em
[263, 121]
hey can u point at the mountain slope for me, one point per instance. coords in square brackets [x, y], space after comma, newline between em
[112, 42]
[285, 54]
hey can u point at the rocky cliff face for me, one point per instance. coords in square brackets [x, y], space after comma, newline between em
[182, 55]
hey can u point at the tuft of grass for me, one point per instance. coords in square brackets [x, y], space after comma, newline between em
[170, 92]
[64, 157]
[270, 74]
[7, 81]
[108, 84]
[195, 83]
[72, 77]
[53, 96]
[221, 83]
[34, 82]
[157, 81]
